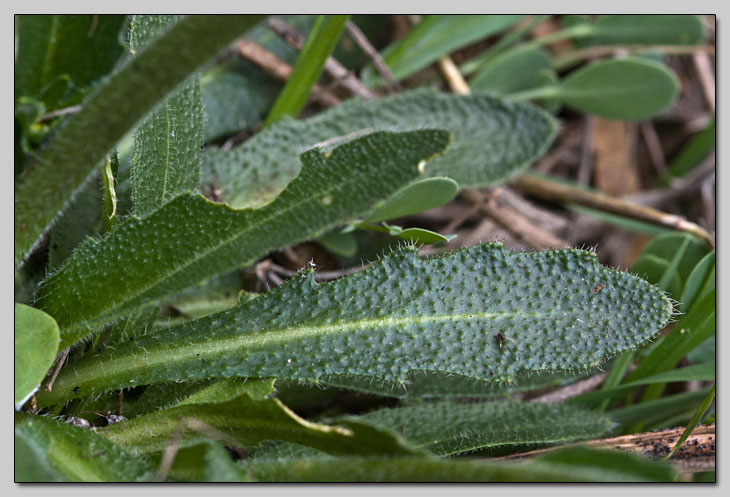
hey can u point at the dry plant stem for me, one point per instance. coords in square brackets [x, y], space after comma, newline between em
[543, 217]
[655, 148]
[548, 162]
[586, 152]
[374, 55]
[708, 199]
[59, 112]
[553, 191]
[335, 70]
[698, 448]
[168, 458]
[58, 364]
[278, 69]
[514, 221]
[679, 187]
[703, 64]
[572, 390]
[577, 56]
[453, 76]
[460, 219]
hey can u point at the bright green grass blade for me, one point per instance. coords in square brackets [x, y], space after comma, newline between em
[698, 372]
[136, 87]
[701, 410]
[319, 45]
[655, 410]
[694, 328]
[470, 313]
[190, 239]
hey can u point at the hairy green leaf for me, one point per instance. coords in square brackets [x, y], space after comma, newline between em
[248, 419]
[570, 464]
[485, 313]
[191, 239]
[434, 37]
[36, 344]
[167, 143]
[446, 428]
[110, 112]
[493, 139]
[67, 453]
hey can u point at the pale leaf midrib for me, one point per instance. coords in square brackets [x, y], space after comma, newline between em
[243, 341]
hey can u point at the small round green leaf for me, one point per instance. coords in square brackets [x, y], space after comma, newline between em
[427, 237]
[630, 89]
[36, 343]
[416, 197]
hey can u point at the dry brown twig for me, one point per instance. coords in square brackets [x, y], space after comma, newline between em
[377, 60]
[697, 453]
[565, 194]
[278, 69]
[514, 221]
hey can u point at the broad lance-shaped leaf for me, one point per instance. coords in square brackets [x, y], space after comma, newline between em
[109, 113]
[569, 464]
[493, 139]
[49, 450]
[189, 239]
[484, 312]
[446, 428]
[167, 144]
[249, 419]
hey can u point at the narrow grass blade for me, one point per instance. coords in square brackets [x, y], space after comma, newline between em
[319, 45]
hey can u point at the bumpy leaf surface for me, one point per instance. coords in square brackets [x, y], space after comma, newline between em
[190, 239]
[493, 139]
[167, 144]
[446, 428]
[484, 312]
